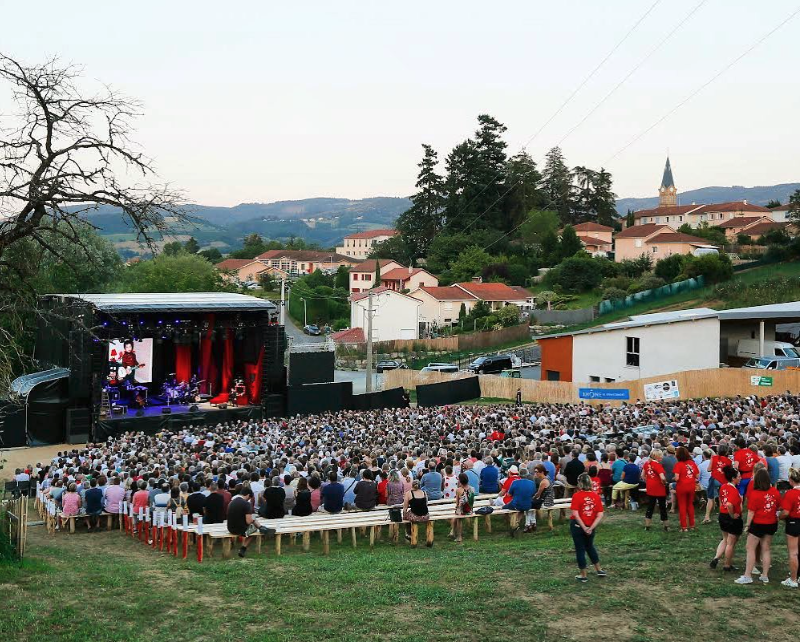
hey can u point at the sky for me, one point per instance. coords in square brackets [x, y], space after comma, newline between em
[263, 101]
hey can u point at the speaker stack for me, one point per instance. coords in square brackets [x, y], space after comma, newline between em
[273, 374]
[79, 423]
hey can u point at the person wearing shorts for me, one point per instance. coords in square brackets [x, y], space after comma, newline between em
[717, 481]
[762, 524]
[730, 519]
[790, 511]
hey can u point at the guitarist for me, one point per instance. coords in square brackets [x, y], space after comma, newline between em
[129, 361]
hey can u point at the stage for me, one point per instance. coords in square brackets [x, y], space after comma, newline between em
[153, 420]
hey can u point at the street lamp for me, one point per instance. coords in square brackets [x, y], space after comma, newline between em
[305, 312]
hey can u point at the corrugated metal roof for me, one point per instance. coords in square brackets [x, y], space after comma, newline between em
[22, 386]
[774, 311]
[172, 302]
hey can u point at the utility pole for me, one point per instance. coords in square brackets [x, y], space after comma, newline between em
[305, 313]
[283, 301]
[369, 341]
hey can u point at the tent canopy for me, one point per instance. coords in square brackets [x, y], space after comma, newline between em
[24, 385]
[170, 302]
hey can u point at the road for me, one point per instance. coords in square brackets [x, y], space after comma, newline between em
[297, 335]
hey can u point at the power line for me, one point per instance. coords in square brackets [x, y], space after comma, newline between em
[705, 84]
[560, 109]
[635, 69]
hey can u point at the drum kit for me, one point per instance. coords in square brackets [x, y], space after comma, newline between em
[181, 393]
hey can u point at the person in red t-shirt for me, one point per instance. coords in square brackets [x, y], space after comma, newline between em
[587, 513]
[790, 511]
[685, 473]
[762, 524]
[597, 485]
[656, 487]
[504, 498]
[745, 460]
[730, 518]
[717, 481]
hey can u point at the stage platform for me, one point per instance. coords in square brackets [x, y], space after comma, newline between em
[154, 420]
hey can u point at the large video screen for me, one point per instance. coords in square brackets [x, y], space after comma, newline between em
[130, 360]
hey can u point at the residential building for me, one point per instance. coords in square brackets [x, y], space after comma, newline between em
[596, 238]
[630, 242]
[497, 295]
[362, 276]
[408, 278]
[300, 262]
[394, 315]
[757, 229]
[664, 244]
[241, 270]
[441, 306]
[361, 244]
[780, 214]
[733, 227]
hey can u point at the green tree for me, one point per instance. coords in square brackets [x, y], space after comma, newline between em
[490, 151]
[419, 224]
[773, 204]
[523, 193]
[396, 248]
[267, 282]
[460, 186]
[173, 248]
[192, 246]
[377, 280]
[557, 184]
[550, 248]
[794, 206]
[630, 219]
[670, 267]
[212, 254]
[570, 243]
[341, 279]
[575, 274]
[171, 273]
[252, 246]
[469, 263]
[508, 315]
[538, 224]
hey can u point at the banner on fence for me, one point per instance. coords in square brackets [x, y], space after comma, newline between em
[662, 390]
[761, 381]
[620, 394]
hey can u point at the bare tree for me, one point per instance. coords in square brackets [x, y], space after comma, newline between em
[63, 154]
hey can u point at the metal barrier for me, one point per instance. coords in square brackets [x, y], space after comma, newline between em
[651, 295]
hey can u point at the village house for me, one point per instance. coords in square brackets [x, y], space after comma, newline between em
[441, 306]
[362, 276]
[394, 315]
[361, 244]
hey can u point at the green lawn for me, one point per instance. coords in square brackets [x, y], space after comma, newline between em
[106, 586]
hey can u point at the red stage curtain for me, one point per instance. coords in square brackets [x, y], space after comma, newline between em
[227, 363]
[252, 378]
[207, 367]
[222, 397]
[183, 362]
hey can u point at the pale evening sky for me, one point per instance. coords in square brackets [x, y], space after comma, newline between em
[257, 101]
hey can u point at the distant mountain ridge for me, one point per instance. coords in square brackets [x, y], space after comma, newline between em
[760, 195]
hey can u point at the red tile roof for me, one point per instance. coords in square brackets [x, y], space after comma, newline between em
[402, 274]
[592, 227]
[369, 265]
[232, 264]
[781, 208]
[590, 240]
[738, 221]
[764, 227]
[371, 234]
[351, 335]
[640, 231]
[667, 210]
[732, 206]
[307, 255]
[492, 291]
[381, 289]
[678, 237]
[449, 293]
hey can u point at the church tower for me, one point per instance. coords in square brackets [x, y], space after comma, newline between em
[667, 193]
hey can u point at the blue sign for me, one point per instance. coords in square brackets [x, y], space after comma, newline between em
[604, 393]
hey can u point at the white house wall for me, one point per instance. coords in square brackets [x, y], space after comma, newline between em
[394, 316]
[666, 348]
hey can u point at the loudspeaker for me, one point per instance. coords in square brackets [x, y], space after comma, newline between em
[79, 423]
[166, 410]
[223, 406]
[80, 364]
[193, 408]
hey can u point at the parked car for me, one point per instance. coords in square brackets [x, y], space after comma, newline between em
[390, 364]
[773, 363]
[312, 330]
[440, 367]
[751, 348]
[491, 365]
[511, 374]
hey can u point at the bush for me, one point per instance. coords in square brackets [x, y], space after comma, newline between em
[575, 274]
[743, 239]
[714, 267]
[614, 294]
[617, 282]
[671, 267]
[341, 324]
[650, 282]
[634, 268]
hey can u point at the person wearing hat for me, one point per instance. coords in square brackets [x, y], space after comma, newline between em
[503, 497]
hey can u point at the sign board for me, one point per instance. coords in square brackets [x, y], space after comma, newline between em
[604, 393]
[661, 390]
[760, 381]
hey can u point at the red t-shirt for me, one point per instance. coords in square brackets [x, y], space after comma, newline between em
[729, 494]
[764, 504]
[686, 473]
[141, 499]
[746, 459]
[382, 491]
[718, 462]
[597, 485]
[588, 504]
[506, 485]
[791, 502]
[652, 477]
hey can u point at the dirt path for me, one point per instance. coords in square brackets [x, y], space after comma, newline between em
[21, 457]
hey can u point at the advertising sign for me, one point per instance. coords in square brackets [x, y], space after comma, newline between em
[661, 390]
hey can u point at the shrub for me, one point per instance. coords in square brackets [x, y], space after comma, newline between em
[614, 294]
[341, 324]
[671, 267]
[634, 268]
[650, 282]
[714, 267]
[575, 274]
[617, 282]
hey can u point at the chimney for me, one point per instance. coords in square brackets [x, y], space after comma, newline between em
[410, 270]
[477, 279]
[744, 202]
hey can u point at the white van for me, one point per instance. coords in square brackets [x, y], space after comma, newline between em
[749, 349]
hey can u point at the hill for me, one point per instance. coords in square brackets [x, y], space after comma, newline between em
[760, 195]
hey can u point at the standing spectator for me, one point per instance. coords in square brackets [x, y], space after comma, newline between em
[718, 463]
[762, 523]
[214, 506]
[686, 476]
[587, 513]
[744, 460]
[573, 470]
[668, 462]
[773, 465]
[704, 468]
[790, 511]
[656, 488]
[784, 464]
[730, 518]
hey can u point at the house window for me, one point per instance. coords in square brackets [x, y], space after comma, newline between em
[638, 243]
[666, 219]
[593, 379]
[366, 277]
[632, 351]
[355, 276]
[553, 375]
[655, 249]
[610, 380]
[680, 218]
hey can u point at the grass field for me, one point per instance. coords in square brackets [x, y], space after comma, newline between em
[104, 586]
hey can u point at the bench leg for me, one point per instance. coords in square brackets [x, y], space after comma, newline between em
[258, 543]
[394, 533]
[278, 544]
[414, 533]
[338, 535]
[210, 544]
[353, 536]
[379, 534]
[550, 519]
[372, 537]
[326, 548]
[109, 520]
[226, 548]
[475, 528]
[488, 523]
[429, 534]
[71, 524]
[307, 541]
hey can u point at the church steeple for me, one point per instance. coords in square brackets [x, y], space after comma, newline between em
[667, 193]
